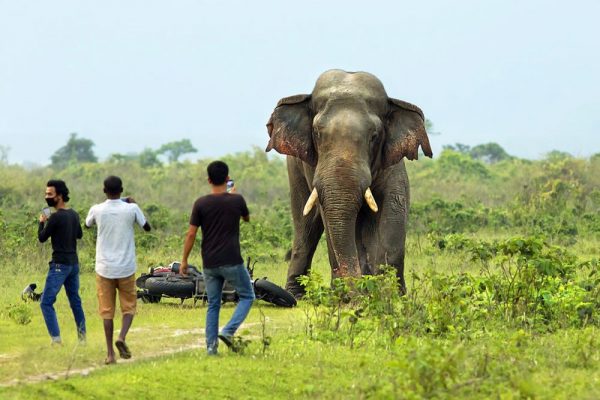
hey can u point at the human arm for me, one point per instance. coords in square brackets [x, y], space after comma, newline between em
[44, 228]
[139, 216]
[90, 219]
[188, 244]
[244, 211]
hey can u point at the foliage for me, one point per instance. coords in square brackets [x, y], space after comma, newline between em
[455, 163]
[489, 153]
[20, 313]
[4, 150]
[77, 150]
[532, 283]
[496, 307]
[524, 283]
[174, 150]
[148, 158]
[438, 215]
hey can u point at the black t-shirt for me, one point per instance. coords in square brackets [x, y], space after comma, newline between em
[218, 216]
[64, 228]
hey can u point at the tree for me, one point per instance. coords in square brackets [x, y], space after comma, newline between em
[119, 158]
[489, 153]
[174, 150]
[459, 148]
[429, 128]
[556, 155]
[149, 158]
[76, 150]
[4, 150]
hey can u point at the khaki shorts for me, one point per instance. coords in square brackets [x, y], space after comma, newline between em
[107, 291]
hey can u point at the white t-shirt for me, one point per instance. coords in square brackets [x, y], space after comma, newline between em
[115, 245]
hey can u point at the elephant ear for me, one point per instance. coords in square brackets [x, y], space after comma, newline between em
[290, 129]
[405, 127]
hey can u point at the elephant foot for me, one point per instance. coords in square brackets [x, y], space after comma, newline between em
[297, 291]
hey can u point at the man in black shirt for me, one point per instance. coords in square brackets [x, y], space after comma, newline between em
[63, 228]
[218, 215]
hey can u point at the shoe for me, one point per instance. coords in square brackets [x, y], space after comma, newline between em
[29, 293]
[123, 349]
[82, 339]
[212, 351]
[228, 340]
[56, 340]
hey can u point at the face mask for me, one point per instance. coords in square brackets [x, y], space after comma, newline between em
[51, 201]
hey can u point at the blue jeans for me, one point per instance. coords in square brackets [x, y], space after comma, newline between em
[59, 275]
[214, 278]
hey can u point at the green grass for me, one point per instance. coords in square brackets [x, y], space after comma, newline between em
[170, 361]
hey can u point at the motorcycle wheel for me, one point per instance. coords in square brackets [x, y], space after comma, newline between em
[181, 288]
[270, 292]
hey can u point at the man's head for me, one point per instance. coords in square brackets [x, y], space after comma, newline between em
[217, 172]
[113, 186]
[57, 192]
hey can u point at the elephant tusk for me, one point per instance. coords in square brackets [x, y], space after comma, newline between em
[371, 200]
[310, 203]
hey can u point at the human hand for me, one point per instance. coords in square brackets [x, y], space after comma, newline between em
[43, 218]
[183, 267]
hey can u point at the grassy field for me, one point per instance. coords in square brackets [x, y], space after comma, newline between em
[503, 294]
[169, 359]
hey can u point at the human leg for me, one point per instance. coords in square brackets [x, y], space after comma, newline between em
[54, 281]
[127, 300]
[240, 279]
[106, 290]
[108, 335]
[214, 288]
[72, 290]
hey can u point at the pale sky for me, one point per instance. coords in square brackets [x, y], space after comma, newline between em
[135, 74]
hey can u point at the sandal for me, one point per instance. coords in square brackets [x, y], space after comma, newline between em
[123, 349]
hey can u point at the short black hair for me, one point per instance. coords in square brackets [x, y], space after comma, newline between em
[217, 172]
[113, 185]
[61, 188]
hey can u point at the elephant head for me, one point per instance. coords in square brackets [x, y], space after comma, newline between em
[348, 131]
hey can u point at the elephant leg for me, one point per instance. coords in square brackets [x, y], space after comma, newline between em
[391, 247]
[307, 229]
[392, 223]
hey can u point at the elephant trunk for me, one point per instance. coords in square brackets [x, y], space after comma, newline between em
[341, 195]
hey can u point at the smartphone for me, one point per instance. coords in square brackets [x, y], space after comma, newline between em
[46, 211]
[229, 185]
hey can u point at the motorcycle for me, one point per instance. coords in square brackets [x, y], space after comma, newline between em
[167, 282]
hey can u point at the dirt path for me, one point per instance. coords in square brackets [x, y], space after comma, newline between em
[56, 375]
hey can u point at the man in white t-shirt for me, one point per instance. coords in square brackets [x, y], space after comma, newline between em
[115, 260]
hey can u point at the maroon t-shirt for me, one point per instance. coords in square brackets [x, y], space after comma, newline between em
[218, 216]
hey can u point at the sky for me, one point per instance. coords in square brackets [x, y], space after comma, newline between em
[131, 75]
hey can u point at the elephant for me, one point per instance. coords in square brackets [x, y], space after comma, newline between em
[345, 143]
